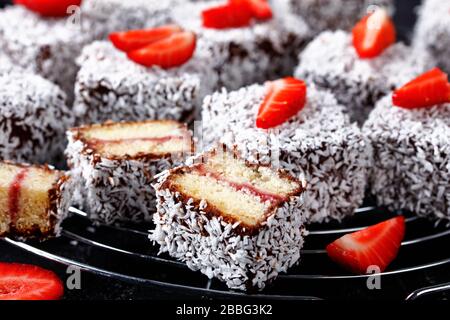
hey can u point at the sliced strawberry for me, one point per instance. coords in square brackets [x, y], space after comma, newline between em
[261, 9]
[169, 52]
[377, 245]
[373, 34]
[234, 14]
[28, 282]
[137, 39]
[427, 90]
[284, 99]
[49, 8]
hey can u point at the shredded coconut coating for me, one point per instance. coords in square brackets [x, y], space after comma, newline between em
[331, 62]
[319, 144]
[6, 65]
[108, 16]
[411, 158]
[213, 247]
[64, 198]
[254, 54]
[433, 31]
[33, 118]
[111, 87]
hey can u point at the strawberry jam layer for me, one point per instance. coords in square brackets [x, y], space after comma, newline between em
[246, 187]
[14, 194]
[150, 139]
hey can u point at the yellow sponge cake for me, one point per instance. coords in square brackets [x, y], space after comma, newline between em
[33, 200]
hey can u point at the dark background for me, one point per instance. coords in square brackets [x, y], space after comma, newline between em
[97, 287]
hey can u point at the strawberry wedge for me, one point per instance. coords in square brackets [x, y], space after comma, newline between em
[427, 90]
[28, 282]
[234, 14]
[49, 8]
[373, 34]
[284, 99]
[169, 52]
[377, 245]
[260, 9]
[137, 39]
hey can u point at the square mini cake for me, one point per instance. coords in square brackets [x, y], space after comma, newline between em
[237, 222]
[110, 86]
[47, 46]
[331, 62]
[33, 200]
[33, 117]
[433, 31]
[244, 50]
[318, 143]
[321, 15]
[114, 165]
[409, 132]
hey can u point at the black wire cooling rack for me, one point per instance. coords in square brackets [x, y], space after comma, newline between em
[123, 252]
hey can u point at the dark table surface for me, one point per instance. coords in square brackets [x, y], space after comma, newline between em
[98, 287]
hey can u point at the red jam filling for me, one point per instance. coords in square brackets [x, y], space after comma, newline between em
[246, 187]
[14, 194]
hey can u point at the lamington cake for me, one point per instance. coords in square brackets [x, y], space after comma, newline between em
[433, 31]
[114, 165]
[47, 46]
[331, 61]
[410, 132]
[237, 222]
[307, 134]
[111, 15]
[245, 49]
[323, 15]
[112, 86]
[33, 200]
[33, 117]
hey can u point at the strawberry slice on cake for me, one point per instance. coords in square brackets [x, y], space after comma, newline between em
[235, 14]
[169, 52]
[260, 9]
[373, 34]
[49, 8]
[427, 90]
[137, 39]
[284, 99]
[166, 46]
